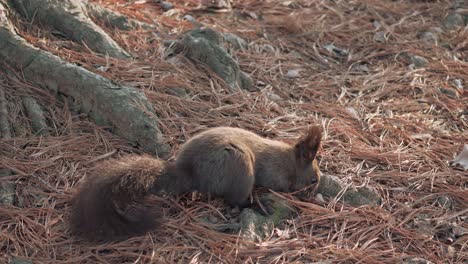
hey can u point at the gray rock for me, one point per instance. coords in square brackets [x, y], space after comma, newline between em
[274, 97]
[257, 227]
[293, 74]
[213, 219]
[166, 6]
[452, 93]
[429, 37]
[336, 50]
[380, 37]
[454, 21]
[331, 186]
[458, 84]
[418, 61]
[190, 19]
[278, 209]
[376, 24]
[362, 67]
[254, 226]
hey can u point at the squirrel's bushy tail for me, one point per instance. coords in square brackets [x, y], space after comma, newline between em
[110, 206]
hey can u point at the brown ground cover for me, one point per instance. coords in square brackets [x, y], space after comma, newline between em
[386, 123]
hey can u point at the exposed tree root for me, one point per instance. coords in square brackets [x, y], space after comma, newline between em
[114, 19]
[35, 113]
[5, 130]
[69, 17]
[124, 108]
[7, 189]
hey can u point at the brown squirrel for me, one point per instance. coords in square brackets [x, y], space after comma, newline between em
[223, 161]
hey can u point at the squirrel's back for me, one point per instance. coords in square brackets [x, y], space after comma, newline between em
[224, 159]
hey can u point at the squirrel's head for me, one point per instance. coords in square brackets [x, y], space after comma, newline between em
[305, 150]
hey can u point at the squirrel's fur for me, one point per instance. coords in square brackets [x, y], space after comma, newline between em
[223, 161]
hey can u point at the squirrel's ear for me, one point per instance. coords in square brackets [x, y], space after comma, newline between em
[307, 147]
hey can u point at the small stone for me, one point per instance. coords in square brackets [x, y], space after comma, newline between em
[166, 6]
[293, 74]
[190, 18]
[267, 48]
[380, 37]
[429, 37]
[418, 61]
[452, 93]
[458, 84]
[213, 219]
[334, 49]
[460, 231]
[445, 202]
[376, 24]
[362, 67]
[454, 21]
[274, 97]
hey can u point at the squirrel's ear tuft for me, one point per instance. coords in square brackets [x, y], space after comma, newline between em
[307, 147]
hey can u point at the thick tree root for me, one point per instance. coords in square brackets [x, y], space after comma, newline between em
[36, 115]
[5, 130]
[69, 17]
[206, 46]
[124, 108]
[7, 189]
[114, 19]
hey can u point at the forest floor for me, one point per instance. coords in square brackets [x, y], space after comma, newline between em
[386, 80]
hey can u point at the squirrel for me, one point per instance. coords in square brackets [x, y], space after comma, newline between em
[223, 161]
